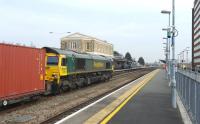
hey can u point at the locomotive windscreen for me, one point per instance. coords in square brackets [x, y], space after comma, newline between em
[52, 60]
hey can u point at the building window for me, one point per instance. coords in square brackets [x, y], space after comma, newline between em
[73, 45]
[65, 45]
[88, 46]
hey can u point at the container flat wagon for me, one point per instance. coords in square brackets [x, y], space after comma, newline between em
[22, 71]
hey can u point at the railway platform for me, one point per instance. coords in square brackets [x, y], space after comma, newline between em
[146, 100]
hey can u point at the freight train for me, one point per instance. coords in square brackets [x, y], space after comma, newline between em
[29, 72]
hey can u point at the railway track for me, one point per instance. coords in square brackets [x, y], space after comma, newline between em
[53, 108]
[78, 107]
[13, 107]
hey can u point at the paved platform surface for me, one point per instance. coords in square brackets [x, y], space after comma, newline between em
[151, 105]
[143, 101]
[90, 114]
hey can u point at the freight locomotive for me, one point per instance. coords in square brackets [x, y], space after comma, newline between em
[28, 72]
[69, 69]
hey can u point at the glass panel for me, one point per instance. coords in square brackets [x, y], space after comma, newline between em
[63, 62]
[52, 60]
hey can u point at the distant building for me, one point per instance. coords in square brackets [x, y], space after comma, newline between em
[118, 56]
[84, 43]
[119, 60]
[196, 34]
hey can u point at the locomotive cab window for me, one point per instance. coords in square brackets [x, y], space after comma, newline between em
[108, 65]
[52, 60]
[64, 61]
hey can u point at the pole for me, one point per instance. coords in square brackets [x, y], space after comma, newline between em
[173, 84]
[178, 59]
[187, 57]
[168, 40]
[167, 59]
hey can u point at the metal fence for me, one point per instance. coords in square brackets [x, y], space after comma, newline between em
[188, 89]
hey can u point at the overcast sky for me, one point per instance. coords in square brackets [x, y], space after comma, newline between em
[130, 25]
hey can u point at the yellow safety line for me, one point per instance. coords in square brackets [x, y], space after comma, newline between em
[109, 117]
[117, 104]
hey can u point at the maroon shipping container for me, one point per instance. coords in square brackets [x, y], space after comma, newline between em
[22, 71]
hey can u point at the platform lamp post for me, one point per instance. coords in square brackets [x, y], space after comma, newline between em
[187, 59]
[165, 53]
[168, 54]
[168, 36]
[167, 59]
[183, 56]
[173, 79]
[168, 40]
[179, 59]
[173, 84]
[164, 49]
[167, 12]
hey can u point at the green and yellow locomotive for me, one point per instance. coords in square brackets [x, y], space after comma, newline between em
[66, 69]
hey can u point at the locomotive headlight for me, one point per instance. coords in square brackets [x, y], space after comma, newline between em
[54, 75]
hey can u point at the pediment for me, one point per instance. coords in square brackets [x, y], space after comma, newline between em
[78, 35]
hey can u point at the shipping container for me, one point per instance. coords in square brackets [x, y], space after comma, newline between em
[22, 71]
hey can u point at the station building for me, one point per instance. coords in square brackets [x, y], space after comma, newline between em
[119, 60]
[196, 34]
[84, 43]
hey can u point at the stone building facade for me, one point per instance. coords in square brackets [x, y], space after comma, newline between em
[84, 43]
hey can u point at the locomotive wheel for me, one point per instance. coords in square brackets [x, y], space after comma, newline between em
[104, 77]
[82, 81]
[85, 82]
[55, 89]
[88, 80]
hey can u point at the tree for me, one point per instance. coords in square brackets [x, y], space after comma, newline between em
[141, 61]
[128, 56]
